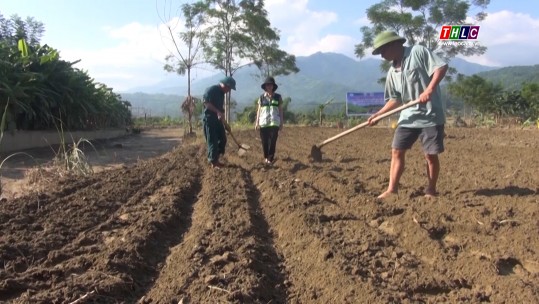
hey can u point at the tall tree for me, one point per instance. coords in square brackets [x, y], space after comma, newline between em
[187, 49]
[265, 53]
[321, 108]
[477, 92]
[14, 29]
[530, 91]
[420, 21]
[236, 30]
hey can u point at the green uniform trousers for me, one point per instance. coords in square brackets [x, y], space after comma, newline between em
[215, 135]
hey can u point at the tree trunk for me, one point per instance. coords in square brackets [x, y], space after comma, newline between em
[190, 101]
[227, 107]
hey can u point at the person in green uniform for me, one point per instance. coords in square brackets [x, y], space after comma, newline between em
[214, 130]
[269, 118]
[415, 73]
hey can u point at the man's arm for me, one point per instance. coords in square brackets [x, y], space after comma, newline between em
[212, 108]
[390, 105]
[437, 77]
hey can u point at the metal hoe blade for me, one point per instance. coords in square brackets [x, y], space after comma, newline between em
[243, 149]
[316, 153]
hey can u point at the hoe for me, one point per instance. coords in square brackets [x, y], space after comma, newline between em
[316, 153]
[242, 147]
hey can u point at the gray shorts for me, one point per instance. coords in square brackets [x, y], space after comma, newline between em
[432, 139]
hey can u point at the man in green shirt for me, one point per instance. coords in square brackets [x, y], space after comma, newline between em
[415, 73]
[214, 130]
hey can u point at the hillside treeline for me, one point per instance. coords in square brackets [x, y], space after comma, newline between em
[494, 101]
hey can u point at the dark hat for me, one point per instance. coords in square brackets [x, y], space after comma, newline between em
[229, 82]
[385, 38]
[269, 79]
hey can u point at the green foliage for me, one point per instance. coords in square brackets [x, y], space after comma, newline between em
[158, 122]
[420, 21]
[477, 92]
[489, 99]
[14, 29]
[513, 78]
[23, 48]
[248, 115]
[41, 87]
[233, 30]
[238, 31]
[530, 92]
[3, 122]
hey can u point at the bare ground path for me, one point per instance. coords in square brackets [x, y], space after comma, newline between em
[101, 155]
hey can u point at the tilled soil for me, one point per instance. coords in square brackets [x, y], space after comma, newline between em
[173, 230]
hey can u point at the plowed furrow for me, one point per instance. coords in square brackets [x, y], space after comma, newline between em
[308, 259]
[90, 205]
[360, 236]
[114, 251]
[228, 248]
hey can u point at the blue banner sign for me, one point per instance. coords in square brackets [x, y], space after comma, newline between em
[364, 103]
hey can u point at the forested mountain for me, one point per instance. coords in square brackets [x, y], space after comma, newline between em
[512, 78]
[322, 76]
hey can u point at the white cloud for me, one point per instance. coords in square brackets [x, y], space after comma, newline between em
[328, 43]
[301, 27]
[509, 37]
[363, 21]
[516, 28]
[136, 58]
[134, 43]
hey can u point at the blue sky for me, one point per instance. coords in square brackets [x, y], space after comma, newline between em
[120, 42]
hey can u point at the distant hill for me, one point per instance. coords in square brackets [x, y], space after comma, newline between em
[154, 104]
[468, 68]
[322, 76]
[512, 78]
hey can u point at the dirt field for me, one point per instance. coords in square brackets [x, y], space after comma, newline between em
[172, 230]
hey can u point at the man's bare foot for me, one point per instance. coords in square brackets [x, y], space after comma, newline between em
[386, 194]
[430, 194]
[217, 165]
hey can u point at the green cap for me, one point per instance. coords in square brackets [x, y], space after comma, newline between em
[385, 38]
[229, 82]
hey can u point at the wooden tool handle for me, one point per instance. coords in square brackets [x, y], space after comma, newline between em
[386, 114]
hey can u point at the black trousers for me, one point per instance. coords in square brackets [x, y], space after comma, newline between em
[269, 135]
